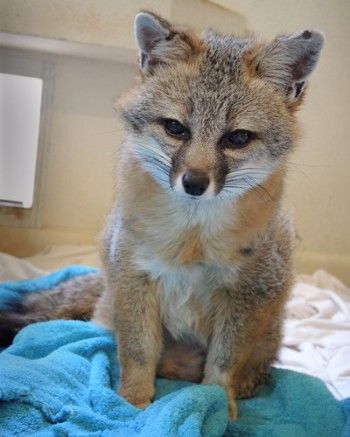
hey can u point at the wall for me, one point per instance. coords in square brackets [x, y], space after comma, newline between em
[107, 22]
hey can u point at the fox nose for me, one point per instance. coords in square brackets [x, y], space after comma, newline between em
[195, 182]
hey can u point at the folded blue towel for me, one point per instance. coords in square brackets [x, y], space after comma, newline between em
[59, 378]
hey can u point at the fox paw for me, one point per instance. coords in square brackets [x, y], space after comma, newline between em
[230, 392]
[232, 404]
[138, 398]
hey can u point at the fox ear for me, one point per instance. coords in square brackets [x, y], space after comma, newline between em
[159, 43]
[288, 61]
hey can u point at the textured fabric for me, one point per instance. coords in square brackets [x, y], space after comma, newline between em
[346, 408]
[59, 378]
[316, 336]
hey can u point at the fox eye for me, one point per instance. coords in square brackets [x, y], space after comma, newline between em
[238, 139]
[175, 129]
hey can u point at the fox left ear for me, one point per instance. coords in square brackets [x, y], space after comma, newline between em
[288, 61]
[160, 43]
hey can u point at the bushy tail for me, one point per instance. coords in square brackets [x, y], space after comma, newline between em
[72, 299]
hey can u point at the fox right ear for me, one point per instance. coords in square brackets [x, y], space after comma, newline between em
[288, 61]
[159, 43]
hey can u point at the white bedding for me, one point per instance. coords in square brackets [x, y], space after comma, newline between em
[317, 327]
[317, 331]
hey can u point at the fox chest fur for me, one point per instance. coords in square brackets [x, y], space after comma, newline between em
[186, 288]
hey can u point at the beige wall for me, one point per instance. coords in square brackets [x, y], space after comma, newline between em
[107, 22]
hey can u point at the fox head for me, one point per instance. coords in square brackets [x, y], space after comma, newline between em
[214, 116]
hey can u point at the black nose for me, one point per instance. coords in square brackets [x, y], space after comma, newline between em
[195, 182]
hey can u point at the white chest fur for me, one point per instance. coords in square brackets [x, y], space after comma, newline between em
[185, 294]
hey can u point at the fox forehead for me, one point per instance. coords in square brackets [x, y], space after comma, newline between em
[215, 74]
[215, 89]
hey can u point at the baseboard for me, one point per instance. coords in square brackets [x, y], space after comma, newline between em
[24, 242]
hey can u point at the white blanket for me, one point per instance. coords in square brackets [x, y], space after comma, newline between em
[317, 331]
[317, 327]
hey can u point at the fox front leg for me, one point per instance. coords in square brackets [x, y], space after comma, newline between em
[130, 308]
[243, 346]
[218, 368]
[138, 330]
[225, 350]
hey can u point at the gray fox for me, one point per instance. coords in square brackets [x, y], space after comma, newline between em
[197, 251]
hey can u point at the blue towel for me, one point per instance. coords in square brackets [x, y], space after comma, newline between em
[59, 378]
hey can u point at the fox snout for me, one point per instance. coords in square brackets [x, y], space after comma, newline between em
[197, 171]
[195, 182]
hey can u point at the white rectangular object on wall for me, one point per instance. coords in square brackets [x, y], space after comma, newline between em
[20, 107]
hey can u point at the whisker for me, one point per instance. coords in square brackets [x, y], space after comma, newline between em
[235, 186]
[246, 170]
[150, 148]
[300, 164]
[260, 188]
[246, 173]
[240, 178]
